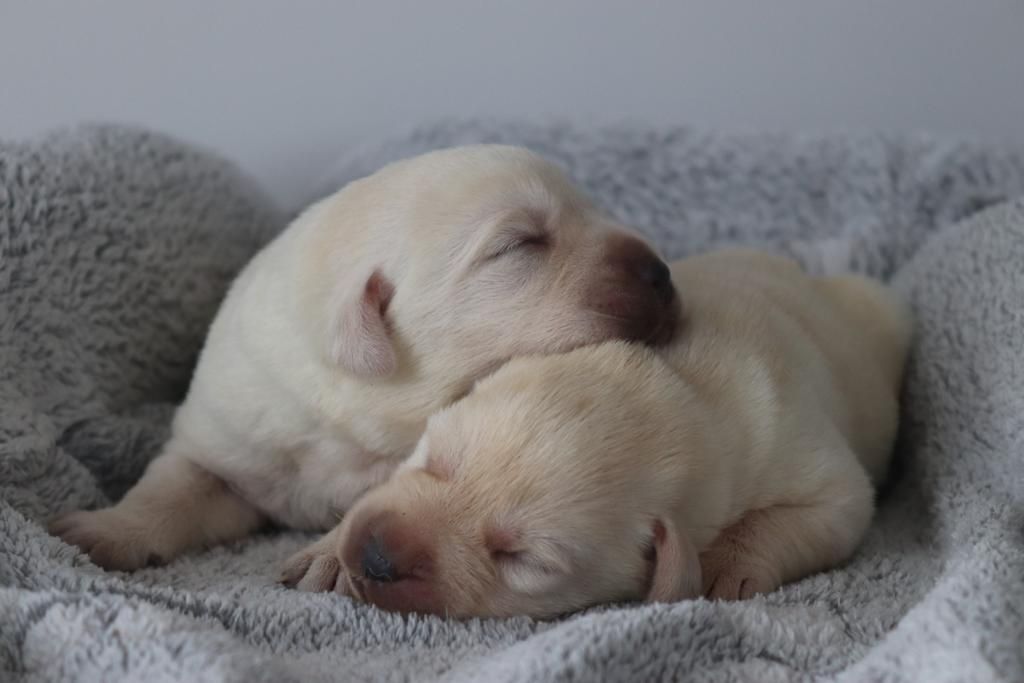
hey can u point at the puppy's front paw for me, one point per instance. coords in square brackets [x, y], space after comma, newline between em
[316, 569]
[109, 539]
[739, 581]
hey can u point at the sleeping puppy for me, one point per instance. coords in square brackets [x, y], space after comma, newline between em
[740, 457]
[375, 308]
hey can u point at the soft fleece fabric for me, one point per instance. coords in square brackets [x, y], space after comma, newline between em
[116, 245]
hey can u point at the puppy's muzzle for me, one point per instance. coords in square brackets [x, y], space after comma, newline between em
[390, 565]
[636, 296]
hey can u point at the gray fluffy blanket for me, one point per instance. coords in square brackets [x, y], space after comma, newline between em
[116, 245]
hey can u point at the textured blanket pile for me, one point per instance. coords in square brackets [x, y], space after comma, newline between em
[116, 245]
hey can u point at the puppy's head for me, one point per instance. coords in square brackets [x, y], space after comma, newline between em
[546, 490]
[444, 265]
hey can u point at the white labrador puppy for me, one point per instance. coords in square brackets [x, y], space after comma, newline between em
[375, 308]
[740, 457]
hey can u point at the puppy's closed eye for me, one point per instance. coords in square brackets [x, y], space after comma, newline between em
[532, 569]
[527, 573]
[524, 242]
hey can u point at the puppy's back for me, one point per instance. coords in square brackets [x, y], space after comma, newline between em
[794, 350]
[881, 316]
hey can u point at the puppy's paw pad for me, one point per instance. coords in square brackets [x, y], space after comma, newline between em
[315, 569]
[295, 567]
[740, 583]
[104, 537]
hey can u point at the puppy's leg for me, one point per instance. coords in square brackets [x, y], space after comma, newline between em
[782, 543]
[177, 505]
[317, 567]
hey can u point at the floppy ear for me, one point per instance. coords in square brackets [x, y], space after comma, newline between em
[360, 336]
[676, 565]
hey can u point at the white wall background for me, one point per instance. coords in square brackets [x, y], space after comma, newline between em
[281, 87]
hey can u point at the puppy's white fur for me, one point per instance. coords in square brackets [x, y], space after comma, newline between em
[376, 307]
[742, 456]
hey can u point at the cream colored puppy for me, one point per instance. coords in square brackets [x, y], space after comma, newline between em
[375, 308]
[740, 457]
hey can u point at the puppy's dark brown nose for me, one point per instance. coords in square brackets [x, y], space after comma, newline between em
[376, 565]
[656, 274]
[639, 264]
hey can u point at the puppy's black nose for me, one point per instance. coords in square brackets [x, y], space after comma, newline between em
[656, 273]
[376, 565]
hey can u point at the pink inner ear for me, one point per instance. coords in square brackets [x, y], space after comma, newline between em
[362, 339]
[378, 292]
